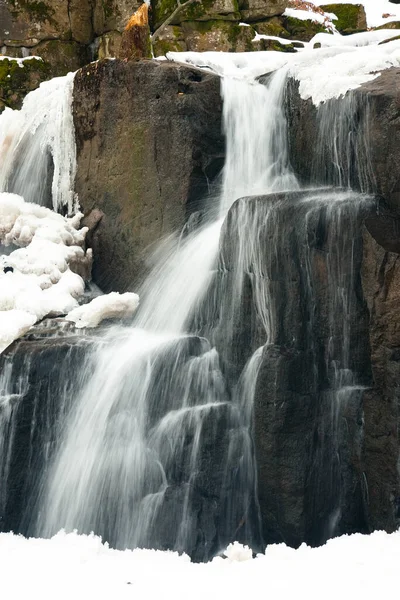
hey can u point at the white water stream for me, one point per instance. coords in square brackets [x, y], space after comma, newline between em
[130, 429]
[157, 448]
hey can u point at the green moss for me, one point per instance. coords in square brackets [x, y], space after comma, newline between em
[391, 25]
[273, 26]
[35, 9]
[202, 10]
[108, 8]
[302, 30]
[227, 36]
[161, 9]
[17, 80]
[350, 17]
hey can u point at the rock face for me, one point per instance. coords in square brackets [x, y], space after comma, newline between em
[371, 113]
[31, 414]
[146, 156]
[326, 405]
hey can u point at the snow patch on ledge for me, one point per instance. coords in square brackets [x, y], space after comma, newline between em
[37, 249]
[343, 63]
[109, 306]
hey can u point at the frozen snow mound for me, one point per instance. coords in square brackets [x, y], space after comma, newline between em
[36, 279]
[109, 306]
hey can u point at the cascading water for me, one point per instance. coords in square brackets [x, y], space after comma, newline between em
[158, 408]
[155, 440]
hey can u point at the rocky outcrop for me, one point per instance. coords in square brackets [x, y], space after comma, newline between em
[19, 78]
[146, 157]
[326, 402]
[38, 382]
[371, 113]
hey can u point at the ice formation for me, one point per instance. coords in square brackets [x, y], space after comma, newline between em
[108, 306]
[35, 277]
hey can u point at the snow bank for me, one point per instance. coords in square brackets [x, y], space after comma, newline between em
[104, 307]
[35, 278]
[342, 64]
[72, 566]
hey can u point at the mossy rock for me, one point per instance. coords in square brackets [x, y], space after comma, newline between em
[272, 26]
[201, 10]
[37, 10]
[109, 45]
[223, 36]
[171, 39]
[391, 25]
[274, 45]
[351, 18]
[18, 79]
[63, 57]
[302, 30]
[392, 39]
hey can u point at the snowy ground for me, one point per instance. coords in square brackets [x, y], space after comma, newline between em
[81, 567]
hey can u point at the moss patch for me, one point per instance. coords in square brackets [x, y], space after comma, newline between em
[222, 36]
[202, 10]
[18, 80]
[35, 9]
[303, 30]
[272, 26]
[350, 17]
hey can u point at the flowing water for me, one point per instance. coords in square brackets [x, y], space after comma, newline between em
[155, 447]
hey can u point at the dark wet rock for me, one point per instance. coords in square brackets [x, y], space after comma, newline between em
[325, 409]
[371, 114]
[149, 143]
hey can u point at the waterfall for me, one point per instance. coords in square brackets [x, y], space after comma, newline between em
[154, 433]
[158, 407]
[37, 147]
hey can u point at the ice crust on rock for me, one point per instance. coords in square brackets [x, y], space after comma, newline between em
[342, 63]
[35, 278]
[109, 306]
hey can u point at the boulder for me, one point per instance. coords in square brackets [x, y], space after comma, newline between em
[220, 36]
[149, 142]
[196, 10]
[302, 30]
[351, 18]
[19, 78]
[170, 39]
[255, 10]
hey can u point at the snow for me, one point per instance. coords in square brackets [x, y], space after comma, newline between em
[342, 63]
[20, 61]
[104, 307]
[35, 278]
[374, 9]
[77, 566]
[305, 15]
